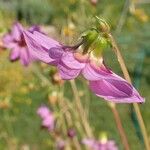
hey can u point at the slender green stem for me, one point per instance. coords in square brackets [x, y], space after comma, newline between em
[122, 17]
[127, 77]
[83, 115]
[119, 126]
[67, 117]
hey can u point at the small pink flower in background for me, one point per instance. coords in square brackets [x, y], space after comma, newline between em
[71, 63]
[47, 117]
[94, 2]
[60, 145]
[100, 145]
[16, 43]
[71, 133]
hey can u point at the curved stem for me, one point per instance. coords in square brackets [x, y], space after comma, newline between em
[135, 105]
[122, 17]
[119, 126]
[81, 110]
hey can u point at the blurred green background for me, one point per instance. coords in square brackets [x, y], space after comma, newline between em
[21, 91]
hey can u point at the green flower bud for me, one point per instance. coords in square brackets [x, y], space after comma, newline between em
[102, 25]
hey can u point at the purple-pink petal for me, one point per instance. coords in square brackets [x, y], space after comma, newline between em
[24, 56]
[8, 41]
[43, 112]
[69, 60]
[100, 145]
[55, 53]
[47, 117]
[37, 50]
[15, 53]
[91, 144]
[93, 73]
[118, 91]
[67, 73]
[48, 122]
[45, 41]
[17, 31]
[34, 28]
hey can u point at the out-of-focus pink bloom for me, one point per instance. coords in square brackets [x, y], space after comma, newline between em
[94, 2]
[47, 117]
[100, 145]
[60, 145]
[71, 133]
[16, 43]
[70, 63]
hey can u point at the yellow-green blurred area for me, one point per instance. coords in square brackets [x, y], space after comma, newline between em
[22, 89]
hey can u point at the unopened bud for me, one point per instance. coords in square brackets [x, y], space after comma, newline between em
[102, 25]
[53, 97]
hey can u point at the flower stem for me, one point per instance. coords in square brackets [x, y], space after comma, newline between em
[135, 105]
[119, 126]
[81, 110]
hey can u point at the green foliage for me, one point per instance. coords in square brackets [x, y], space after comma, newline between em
[34, 11]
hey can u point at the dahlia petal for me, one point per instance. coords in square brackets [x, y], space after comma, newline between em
[56, 53]
[91, 144]
[67, 73]
[43, 112]
[24, 56]
[111, 145]
[17, 31]
[7, 38]
[45, 41]
[118, 91]
[69, 60]
[93, 73]
[48, 121]
[8, 41]
[37, 50]
[34, 28]
[15, 53]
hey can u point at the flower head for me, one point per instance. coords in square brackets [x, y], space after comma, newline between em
[16, 43]
[47, 117]
[71, 63]
[100, 145]
[60, 145]
[94, 2]
[71, 133]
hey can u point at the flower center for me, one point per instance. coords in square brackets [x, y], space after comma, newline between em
[22, 43]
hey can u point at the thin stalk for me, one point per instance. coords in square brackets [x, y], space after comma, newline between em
[81, 110]
[122, 17]
[119, 126]
[67, 116]
[135, 105]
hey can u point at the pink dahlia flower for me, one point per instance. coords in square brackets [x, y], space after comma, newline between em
[47, 117]
[71, 63]
[16, 43]
[100, 145]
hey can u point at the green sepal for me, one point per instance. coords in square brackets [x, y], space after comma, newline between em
[99, 45]
[89, 37]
